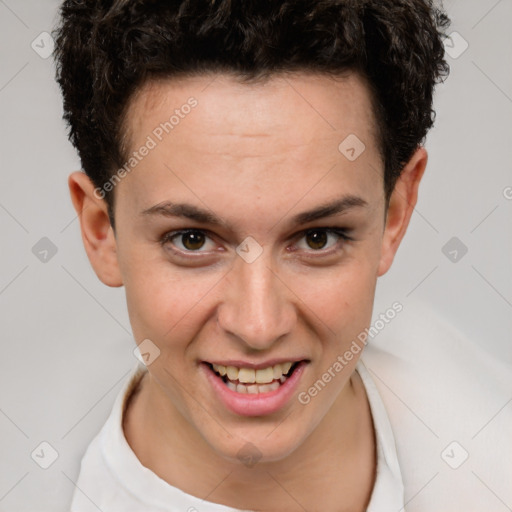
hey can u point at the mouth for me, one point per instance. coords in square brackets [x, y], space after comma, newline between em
[249, 391]
[252, 381]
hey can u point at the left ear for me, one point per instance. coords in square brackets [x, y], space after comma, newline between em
[401, 205]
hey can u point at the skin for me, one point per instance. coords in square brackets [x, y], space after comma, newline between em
[255, 155]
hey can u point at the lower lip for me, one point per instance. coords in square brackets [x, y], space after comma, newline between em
[260, 404]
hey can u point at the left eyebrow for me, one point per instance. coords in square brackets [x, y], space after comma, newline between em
[192, 212]
[342, 205]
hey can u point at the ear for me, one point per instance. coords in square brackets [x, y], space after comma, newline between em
[97, 233]
[401, 205]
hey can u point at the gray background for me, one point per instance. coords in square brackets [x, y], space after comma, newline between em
[66, 338]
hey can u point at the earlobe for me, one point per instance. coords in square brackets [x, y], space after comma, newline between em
[97, 233]
[401, 205]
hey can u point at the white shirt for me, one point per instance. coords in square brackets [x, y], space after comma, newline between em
[440, 397]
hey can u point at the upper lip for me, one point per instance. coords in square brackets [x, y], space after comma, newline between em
[257, 366]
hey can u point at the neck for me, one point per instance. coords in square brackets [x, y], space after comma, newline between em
[334, 466]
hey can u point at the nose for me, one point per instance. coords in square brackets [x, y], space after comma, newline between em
[257, 306]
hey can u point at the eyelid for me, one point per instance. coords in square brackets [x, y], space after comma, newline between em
[170, 235]
[339, 232]
[342, 232]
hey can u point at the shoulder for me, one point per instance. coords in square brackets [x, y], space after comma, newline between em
[450, 407]
[100, 481]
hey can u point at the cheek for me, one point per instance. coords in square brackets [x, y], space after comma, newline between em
[164, 302]
[340, 298]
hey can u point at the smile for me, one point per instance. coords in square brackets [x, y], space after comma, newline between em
[251, 381]
[248, 391]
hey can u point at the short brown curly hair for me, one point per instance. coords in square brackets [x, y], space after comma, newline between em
[107, 49]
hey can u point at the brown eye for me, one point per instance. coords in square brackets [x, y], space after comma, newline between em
[322, 240]
[316, 239]
[192, 240]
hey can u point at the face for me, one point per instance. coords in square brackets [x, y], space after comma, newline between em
[249, 243]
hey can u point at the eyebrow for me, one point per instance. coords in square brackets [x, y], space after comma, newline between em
[192, 212]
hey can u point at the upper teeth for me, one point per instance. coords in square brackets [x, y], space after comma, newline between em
[250, 375]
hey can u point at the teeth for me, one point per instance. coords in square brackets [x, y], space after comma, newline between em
[241, 388]
[250, 381]
[286, 367]
[251, 376]
[231, 371]
[253, 389]
[273, 386]
[246, 375]
[265, 376]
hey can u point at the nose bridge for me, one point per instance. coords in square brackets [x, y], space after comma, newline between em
[257, 309]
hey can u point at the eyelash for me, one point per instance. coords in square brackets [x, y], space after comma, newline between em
[341, 233]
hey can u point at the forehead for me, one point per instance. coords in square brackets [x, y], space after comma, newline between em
[292, 107]
[273, 139]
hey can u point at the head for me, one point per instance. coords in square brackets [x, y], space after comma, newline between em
[219, 140]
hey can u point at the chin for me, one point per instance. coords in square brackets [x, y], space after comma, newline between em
[265, 444]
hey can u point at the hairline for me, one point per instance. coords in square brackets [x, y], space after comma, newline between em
[124, 135]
